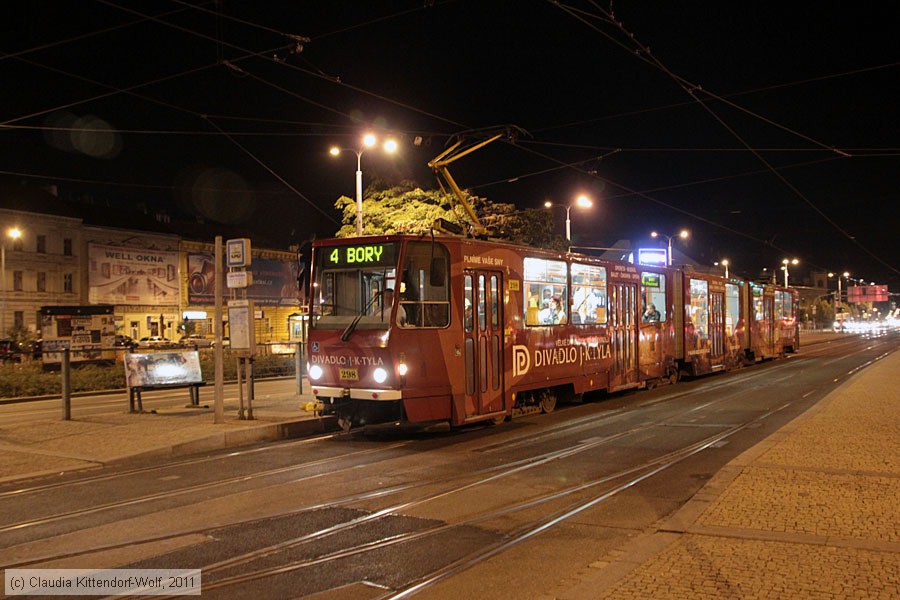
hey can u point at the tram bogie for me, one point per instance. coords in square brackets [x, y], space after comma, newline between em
[416, 330]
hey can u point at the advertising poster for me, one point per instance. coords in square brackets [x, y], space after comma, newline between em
[120, 275]
[162, 368]
[274, 281]
[87, 331]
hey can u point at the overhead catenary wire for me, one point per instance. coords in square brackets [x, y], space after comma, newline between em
[645, 54]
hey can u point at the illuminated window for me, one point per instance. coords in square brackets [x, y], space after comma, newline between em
[653, 297]
[546, 292]
[699, 308]
[732, 307]
[589, 299]
[759, 313]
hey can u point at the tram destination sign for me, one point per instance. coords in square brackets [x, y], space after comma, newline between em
[363, 255]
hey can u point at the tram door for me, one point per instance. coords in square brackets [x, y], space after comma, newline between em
[483, 327]
[623, 323]
[767, 328]
[717, 324]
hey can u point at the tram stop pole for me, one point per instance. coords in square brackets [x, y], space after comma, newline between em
[66, 374]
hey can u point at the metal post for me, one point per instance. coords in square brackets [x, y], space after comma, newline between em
[250, 388]
[669, 249]
[837, 303]
[359, 196]
[3, 288]
[568, 225]
[298, 368]
[66, 386]
[240, 387]
[219, 400]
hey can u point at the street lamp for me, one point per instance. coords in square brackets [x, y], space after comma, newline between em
[581, 202]
[13, 233]
[724, 263]
[683, 234]
[837, 299]
[787, 262]
[368, 141]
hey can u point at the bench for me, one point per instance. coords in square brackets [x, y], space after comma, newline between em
[146, 371]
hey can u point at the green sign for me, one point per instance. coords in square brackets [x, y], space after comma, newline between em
[366, 255]
[650, 280]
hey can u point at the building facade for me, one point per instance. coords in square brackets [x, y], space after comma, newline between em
[158, 283]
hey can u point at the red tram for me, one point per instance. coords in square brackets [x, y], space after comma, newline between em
[428, 329]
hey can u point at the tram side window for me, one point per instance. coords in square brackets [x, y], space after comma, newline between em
[699, 308]
[425, 287]
[758, 310]
[546, 292]
[787, 306]
[732, 307]
[589, 300]
[653, 297]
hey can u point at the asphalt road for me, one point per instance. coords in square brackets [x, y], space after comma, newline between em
[507, 511]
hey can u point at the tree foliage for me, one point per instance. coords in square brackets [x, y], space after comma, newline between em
[409, 209]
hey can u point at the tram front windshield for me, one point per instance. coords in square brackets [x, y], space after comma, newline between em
[351, 284]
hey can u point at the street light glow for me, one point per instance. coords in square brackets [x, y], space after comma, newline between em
[684, 233]
[581, 201]
[368, 141]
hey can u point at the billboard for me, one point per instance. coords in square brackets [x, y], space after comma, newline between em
[274, 281]
[120, 275]
[162, 368]
[653, 257]
[88, 332]
[867, 293]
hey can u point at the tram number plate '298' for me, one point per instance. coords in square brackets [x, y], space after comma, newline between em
[350, 374]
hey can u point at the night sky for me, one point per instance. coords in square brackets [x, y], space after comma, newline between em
[768, 129]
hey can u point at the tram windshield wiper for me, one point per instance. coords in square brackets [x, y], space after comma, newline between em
[351, 327]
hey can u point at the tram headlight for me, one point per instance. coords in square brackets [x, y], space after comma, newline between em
[315, 372]
[402, 369]
[380, 375]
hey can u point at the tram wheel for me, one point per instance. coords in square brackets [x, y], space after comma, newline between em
[548, 401]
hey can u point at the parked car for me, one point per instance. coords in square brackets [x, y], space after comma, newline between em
[126, 342]
[9, 351]
[195, 340]
[155, 341]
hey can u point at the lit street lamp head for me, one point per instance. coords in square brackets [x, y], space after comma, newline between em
[581, 201]
[368, 141]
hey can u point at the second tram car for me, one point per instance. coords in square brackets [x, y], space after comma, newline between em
[428, 329]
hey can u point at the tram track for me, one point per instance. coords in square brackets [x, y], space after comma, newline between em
[522, 533]
[634, 474]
